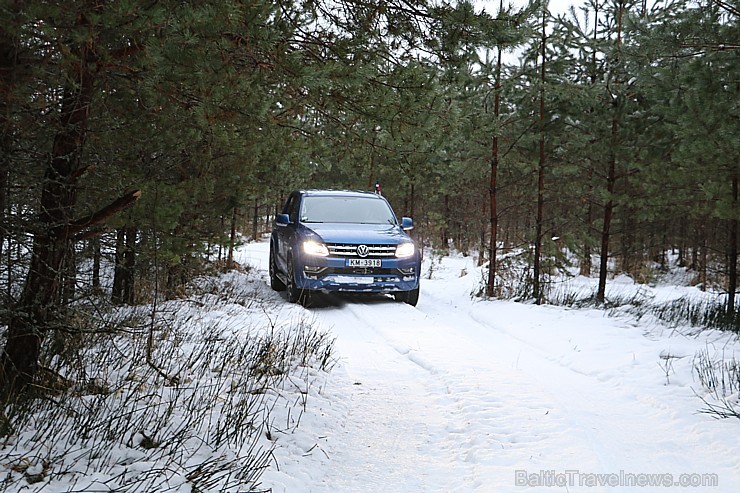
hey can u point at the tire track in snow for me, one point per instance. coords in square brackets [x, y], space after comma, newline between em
[618, 436]
[497, 419]
[390, 441]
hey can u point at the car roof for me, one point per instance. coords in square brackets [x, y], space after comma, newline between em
[338, 193]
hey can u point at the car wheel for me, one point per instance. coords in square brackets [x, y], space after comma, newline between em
[295, 294]
[408, 297]
[275, 282]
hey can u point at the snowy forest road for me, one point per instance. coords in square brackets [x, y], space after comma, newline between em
[464, 396]
[433, 411]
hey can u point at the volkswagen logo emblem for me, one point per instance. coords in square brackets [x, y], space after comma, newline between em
[363, 250]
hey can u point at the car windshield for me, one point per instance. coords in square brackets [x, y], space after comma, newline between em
[342, 209]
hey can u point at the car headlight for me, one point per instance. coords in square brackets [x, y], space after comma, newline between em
[405, 250]
[315, 248]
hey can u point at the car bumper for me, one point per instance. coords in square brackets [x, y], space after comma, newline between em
[332, 275]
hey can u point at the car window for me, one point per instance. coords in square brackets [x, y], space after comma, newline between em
[338, 209]
[291, 208]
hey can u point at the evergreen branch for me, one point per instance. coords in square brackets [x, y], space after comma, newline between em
[713, 47]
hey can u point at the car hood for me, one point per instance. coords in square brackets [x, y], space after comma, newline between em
[356, 234]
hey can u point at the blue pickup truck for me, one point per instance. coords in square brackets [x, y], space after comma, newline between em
[342, 241]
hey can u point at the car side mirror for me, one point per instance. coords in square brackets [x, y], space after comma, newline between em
[282, 219]
[407, 223]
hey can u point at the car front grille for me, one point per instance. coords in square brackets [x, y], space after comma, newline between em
[344, 250]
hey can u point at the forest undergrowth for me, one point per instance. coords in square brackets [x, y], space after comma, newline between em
[188, 395]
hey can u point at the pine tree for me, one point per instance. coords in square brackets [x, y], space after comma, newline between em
[690, 70]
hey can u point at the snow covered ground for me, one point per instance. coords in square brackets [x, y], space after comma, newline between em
[462, 395]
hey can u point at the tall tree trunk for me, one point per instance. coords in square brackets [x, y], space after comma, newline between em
[586, 262]
[732, 288]
[96, 262]
[445, 236]
[232, 235]
[4, 175]
[39, 299]
[608, 212]
[69, 276]
[8, 73]
[118, 270]
[255, 220]
[611, 177]
[372, 178]
[536, 287]
[220, 244]
[704, 256]
[484, 247]
[410, 203]
[267, 218]
[493, 188]
[129, 265]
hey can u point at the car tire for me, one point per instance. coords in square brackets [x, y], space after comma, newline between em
[275, 282]
[408, 297]
[295, 294]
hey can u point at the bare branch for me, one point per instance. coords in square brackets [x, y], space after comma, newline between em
[100, 216]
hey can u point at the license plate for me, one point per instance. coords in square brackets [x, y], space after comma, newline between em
[363, 262]
[353, 280]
